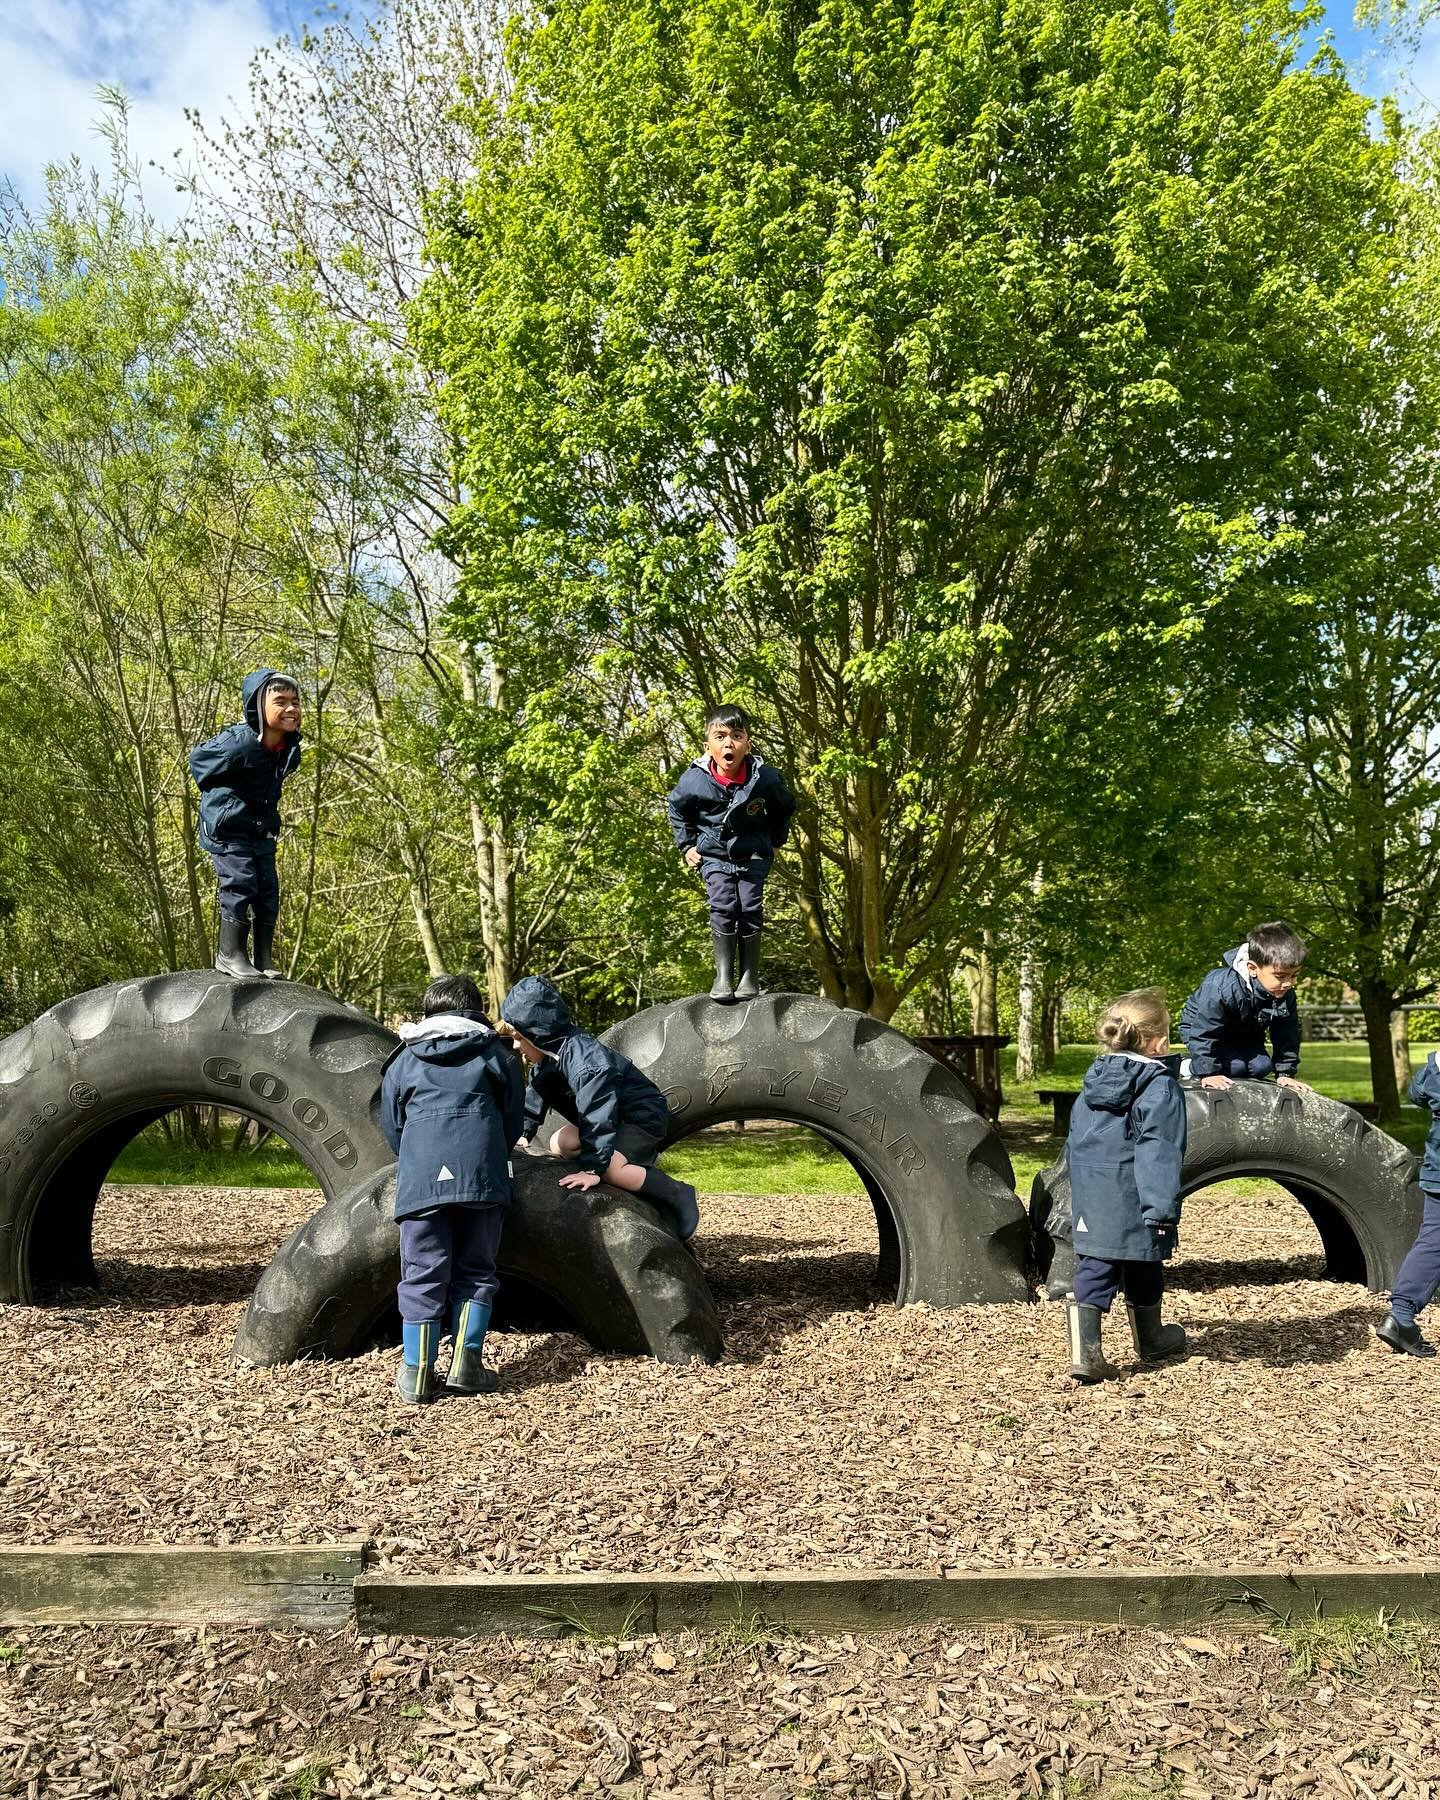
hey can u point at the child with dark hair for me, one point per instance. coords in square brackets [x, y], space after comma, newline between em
[616, 1116]
[239, 773]
[1418, 1276]
[1225, 1021]
[452, 1104]
[729, 813]
[1126, 1150]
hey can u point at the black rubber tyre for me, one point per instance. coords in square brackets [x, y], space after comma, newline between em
[600, 1263]
[952, 1231]
[80, 1082]
[1356, 1182]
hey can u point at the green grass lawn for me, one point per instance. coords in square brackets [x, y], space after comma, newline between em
[762, 1163]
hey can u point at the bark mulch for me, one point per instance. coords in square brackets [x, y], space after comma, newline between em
[840, 1431]
[157, 1714]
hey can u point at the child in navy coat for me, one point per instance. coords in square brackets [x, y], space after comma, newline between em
[1125, 1152]
[1419, 1274]
[452, 1104]
[617, 1116]
[239, 773]
[1225, 1021]
[729, 813]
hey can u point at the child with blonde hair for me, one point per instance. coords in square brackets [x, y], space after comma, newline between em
[1125, 1150]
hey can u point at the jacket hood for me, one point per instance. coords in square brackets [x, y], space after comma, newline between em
[538, 1010]
[1232, 959]
[253, 692]
[1114, 1082]
[445, 1038]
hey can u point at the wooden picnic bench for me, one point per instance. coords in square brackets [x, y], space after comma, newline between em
[975, 1058]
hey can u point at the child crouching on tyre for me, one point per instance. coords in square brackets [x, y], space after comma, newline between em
[452, 1103]
[617, 1116]
[1126, 1149]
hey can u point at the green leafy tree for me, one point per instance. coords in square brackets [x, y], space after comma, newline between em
[922, 372]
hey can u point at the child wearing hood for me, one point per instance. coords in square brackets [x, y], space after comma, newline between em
[239, 774]
[617, 1116]
[729, 813]
[452, 1104]
[1418, 1276]
[1125, 1151]
[1225, 1021]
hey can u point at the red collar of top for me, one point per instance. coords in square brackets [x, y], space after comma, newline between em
[735, 780]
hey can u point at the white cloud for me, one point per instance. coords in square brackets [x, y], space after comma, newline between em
[165, 54]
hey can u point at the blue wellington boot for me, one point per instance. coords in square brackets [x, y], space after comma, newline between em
[415, 1378]
[468, 1375]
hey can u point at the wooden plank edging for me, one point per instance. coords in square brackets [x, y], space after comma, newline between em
[834, 1601]
[179, 1584]
[317, 1586]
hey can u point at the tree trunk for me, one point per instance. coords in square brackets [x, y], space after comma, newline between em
[985, 1013]
[1050, 1029]
[1027, 1032]
[1377, 1002]
[1400, 1047]
[494, 864]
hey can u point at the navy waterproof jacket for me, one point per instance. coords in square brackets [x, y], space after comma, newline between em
[239, 779]
[452, 1103]
[595, 1088]
[732, 827]
[1229, 1015]
[1125, 1151]
[1425, 1091]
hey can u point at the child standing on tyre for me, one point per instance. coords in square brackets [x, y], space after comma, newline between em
[729, 813]
[617, 1117]
[239, 774]
[1226, 1020]
[452, 1104]
[1125, 1151]
[1419, 1274]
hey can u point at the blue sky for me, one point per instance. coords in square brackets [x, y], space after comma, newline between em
[168, 54]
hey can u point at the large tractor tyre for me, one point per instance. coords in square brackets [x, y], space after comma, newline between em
[600, 1262]
[1356, 1182]
[80, 1082]
[951, 1229]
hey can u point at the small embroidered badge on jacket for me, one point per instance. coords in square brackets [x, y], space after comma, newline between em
[444, 1174]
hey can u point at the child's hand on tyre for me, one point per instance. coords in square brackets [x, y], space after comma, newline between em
[580, 1180]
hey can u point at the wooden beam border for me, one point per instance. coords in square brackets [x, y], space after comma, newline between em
[843, 1600]
[180, 1584]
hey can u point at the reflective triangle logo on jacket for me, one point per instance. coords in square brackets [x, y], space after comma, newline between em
[1080, 1224]
[444, 1174]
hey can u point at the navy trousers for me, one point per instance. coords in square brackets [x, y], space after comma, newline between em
[1245, 1068]
[446, 1258]
[1098, 1280]
[249, 886]
[1419, 1274]
[737, 899]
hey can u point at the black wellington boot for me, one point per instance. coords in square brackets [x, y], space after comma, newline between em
[264, 940]
[1154, 1341]
[748, 986]
[675, 1198]
[1405, 1340]
[232, 955]
[724, 984]
[1087, 1359]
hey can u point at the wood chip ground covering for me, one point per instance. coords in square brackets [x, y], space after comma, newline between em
[146, 1715]
[839, 1431]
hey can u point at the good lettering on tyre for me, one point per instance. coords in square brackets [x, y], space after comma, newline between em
[820, 1092]
[274, 1090]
